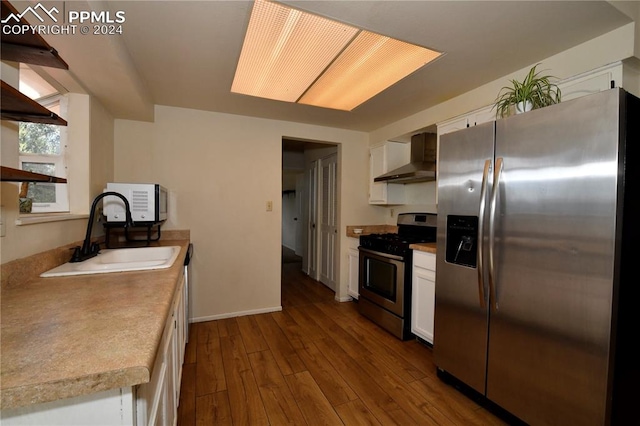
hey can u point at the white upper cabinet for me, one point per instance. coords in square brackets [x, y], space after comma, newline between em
[453, 125]
[382, 159]
[482, 115]
[595, 81]
[470, 119]
[587, 83]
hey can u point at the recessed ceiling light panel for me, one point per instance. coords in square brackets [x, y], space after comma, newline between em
[368, 66]
[294, 56]
[285, 50]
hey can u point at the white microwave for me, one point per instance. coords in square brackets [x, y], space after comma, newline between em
[148, 202]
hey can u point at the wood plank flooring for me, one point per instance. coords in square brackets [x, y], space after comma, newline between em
[317, 362]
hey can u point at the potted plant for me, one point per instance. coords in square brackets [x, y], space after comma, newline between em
[535, 91]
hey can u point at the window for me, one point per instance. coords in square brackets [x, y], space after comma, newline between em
[42, 146]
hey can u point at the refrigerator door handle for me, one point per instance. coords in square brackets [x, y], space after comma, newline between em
[497, 173]
[483, 197]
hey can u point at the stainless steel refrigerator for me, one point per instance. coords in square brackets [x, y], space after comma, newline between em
[536, 276]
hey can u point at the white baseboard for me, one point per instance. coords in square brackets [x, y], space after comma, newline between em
[343, 298]
[236, 314]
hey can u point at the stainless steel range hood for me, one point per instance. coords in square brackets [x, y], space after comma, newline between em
[422, 167]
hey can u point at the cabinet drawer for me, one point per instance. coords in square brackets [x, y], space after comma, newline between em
[424, 260]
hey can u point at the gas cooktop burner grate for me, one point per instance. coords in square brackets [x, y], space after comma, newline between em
[413, 228]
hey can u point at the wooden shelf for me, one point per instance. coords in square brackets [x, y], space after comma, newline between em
[27, 47]
[18, 107]
[16, 175]
[31, 49]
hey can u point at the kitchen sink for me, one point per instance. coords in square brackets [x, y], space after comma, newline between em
[119, 260]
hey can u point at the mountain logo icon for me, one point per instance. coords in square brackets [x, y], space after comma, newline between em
[38, 11]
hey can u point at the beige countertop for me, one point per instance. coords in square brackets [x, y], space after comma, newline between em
[68, 336]
[357, 230]
[428, 247]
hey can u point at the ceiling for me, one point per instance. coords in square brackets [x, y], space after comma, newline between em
[184, 53]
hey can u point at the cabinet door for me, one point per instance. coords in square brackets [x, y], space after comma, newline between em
[423, 296]
[483, 115]
[156, 416]
[181, 337]
[113, 407]
[382, 159]
[587, 84]
[453, 125]
[170, 409]
[377, 190]
[423, 308]
[157, 401]
[353, 272]
[151, 397]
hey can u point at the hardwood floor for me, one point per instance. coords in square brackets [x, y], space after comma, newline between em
[317, 362]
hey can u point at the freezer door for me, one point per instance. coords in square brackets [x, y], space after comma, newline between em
[554, 261]
[460, 335]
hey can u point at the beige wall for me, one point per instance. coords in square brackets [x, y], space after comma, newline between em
[101, 153]
[632, 10]
[614, 46]
[221, 169]
[617, 45]
[8, 158]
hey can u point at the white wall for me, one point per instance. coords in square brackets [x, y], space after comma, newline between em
[221, 170]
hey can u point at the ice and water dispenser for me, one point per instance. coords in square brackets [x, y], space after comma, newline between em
[462, 240]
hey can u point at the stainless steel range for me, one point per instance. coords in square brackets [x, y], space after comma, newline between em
[384, 282]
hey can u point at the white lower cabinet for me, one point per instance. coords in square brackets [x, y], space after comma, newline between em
[354, 259]
[115, 407]
[157, 400]
[150, 404]
[424, 295]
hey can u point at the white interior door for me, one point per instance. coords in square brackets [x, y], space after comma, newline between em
[299, 245]
[311, 260]
[328, 220]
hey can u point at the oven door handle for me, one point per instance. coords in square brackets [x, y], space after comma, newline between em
[377, 253]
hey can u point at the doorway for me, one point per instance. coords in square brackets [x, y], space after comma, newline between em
[309, 207]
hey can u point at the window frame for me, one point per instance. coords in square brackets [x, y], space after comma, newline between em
[59, 160]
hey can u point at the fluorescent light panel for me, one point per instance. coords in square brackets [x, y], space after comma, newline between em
[293, 56]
